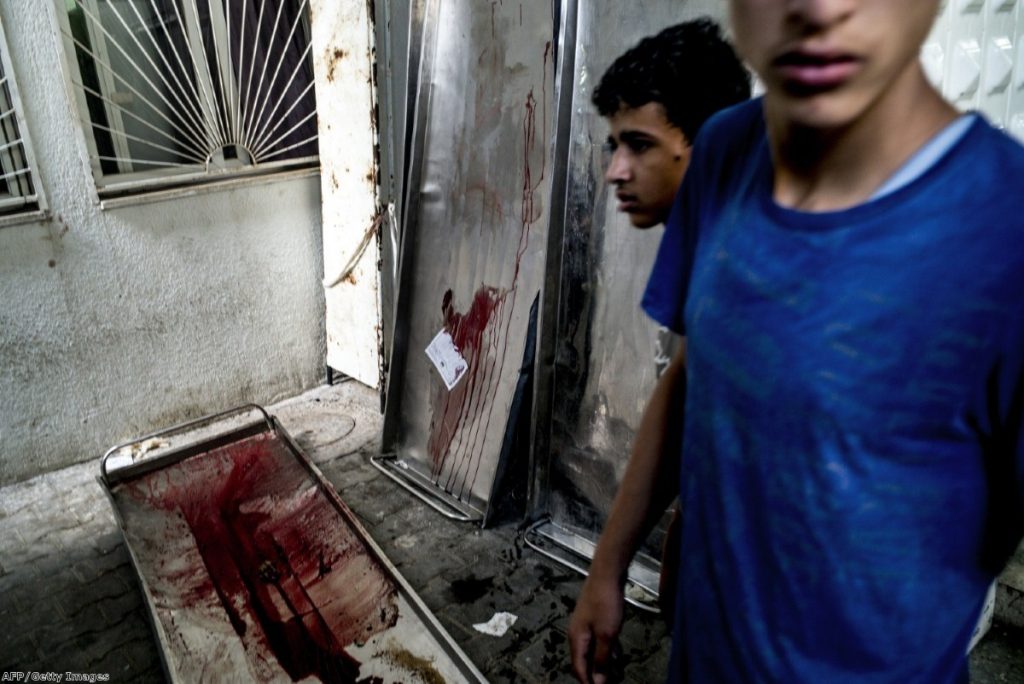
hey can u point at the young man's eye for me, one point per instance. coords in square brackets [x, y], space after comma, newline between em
[640, 145]
[607, 150]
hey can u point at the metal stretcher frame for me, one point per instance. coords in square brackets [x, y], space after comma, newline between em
[426, 649]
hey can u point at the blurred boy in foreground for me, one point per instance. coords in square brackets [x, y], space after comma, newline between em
[845, 260]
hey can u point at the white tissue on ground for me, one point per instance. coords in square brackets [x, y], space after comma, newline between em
[497, 625]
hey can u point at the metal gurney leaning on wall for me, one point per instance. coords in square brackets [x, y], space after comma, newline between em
[505, 198]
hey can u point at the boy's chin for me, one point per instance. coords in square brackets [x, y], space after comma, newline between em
[823, 111]
[645, 221]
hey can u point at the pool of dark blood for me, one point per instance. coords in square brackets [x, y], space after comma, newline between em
[295, 579]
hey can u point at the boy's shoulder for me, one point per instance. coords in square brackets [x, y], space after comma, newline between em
[735, 126]
[727, 141]
[989, 164]
[1004, 148]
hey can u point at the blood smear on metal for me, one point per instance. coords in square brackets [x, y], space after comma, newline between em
[461, 415]
[249, 565]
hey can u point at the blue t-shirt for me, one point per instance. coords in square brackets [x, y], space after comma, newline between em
[853, 469]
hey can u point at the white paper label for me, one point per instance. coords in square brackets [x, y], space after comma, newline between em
[447, 359]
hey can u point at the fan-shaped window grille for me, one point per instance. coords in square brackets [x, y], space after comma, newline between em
[17, 186]
[185, 91]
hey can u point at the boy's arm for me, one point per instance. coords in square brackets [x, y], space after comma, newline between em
[648, 486]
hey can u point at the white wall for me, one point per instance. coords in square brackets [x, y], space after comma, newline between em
[117, 322]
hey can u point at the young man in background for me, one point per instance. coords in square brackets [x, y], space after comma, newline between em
[845, 258]
[656, 96]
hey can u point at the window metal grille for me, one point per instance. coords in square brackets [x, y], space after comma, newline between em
[182, 91]
[17, 183]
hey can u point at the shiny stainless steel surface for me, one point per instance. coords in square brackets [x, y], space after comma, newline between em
[603, 367]
[397, 26]
[476, 218]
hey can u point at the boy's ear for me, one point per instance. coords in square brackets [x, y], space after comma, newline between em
[687, 147]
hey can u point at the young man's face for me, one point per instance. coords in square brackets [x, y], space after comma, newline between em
[648, 159]
[824, 63]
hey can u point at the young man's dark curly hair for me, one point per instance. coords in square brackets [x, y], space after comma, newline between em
[689, 68]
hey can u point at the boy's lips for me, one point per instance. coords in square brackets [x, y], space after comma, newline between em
[627, 202]
[808, 70]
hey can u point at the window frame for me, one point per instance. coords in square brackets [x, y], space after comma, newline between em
[129, 182]
[17, 208]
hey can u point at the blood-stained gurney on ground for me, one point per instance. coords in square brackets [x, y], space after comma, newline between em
[254, 569]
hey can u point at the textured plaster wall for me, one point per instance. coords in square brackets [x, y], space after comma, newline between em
[118, 322]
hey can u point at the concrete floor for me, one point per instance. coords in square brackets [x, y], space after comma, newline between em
[70, 602]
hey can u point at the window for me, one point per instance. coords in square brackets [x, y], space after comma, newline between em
[18, 185]
[190, 91]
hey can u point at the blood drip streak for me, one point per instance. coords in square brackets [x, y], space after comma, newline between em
[467, 332]
[444, 431]
[486, 402]
[526, 216]
[478, 404]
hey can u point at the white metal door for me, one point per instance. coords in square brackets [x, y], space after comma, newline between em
[343, 71]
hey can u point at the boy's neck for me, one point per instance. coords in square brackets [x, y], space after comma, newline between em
[832, 169]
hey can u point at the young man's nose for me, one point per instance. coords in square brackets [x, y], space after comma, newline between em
[618, 170]
[812, 15]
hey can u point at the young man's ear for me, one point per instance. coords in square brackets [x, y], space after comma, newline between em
[683, 153]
